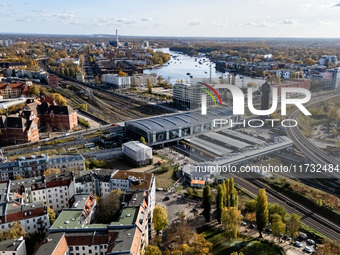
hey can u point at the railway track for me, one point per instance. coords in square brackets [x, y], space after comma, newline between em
[320, 224]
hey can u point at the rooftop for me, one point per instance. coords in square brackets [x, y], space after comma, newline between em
[145, 177]
[50, 243]
[69, 218]
[11, 244]
[127, 217]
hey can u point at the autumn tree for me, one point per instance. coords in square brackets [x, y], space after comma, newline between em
[278, 227]
[152, 250]
[51, 171]
[327, 248]
[15, 231]
[261, 210]
[108, 207]
[219, 202]
[250, 216]
[206, 203]
[149, 84]
[276, 209]
[293, 225]
[142, 140]
[121, 73]
[160, 218]
[51, 215]
[34, 90]
[232, 194]
[250, 205]
[231, 221]
[18, 177]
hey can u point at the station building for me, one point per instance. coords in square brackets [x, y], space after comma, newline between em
[172, 128]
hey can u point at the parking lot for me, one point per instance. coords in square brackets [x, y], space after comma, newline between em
[175, 204]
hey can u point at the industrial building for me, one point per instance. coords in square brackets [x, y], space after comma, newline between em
[172, 128]
[137, 153]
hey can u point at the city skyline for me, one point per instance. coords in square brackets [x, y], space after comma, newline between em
[246, 18]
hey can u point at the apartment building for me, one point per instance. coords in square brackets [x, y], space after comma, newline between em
[13, 246]
[119, 82]
[14, 90]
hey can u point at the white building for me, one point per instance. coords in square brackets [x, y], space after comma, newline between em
[119, 82]
[138, 153]
[13, 247]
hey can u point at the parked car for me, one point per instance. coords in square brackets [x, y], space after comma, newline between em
[243, 223]
[308, 250]
[166, 198]
[302, 235]
[310, 241]
[288, 238]
[252, 226]
[298, 244]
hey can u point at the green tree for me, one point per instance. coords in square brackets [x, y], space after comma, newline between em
[278, 227]
[293, 225]
[231, 221]
[152, 250]
[149, 91]
[160, 218]
[219, 202]
[250, 205]
[261, 211]
[108, 207]
[319, 202]
[206, 203]
[51, 215]
[34, 90]
[189, 191]
[142, 140]
[43, 90]
[277, 209]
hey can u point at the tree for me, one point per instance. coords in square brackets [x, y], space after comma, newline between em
[200, 245]
[327, 248]
[152, 250]
[121, 73]
[206, 203]
[18, 177]
[319, 202]
[250, 205]
[43, 90]
[250, 216]
[261, 210]
[278, 227]
[51, 171]
[51, 215]
[231, 221]
[149, 91]
[232, 194]
[160, 218]
[276, 209]
[189, 191]
[34, 90]
[219, 202]
[15, 231]
[142, 140]
[293, 225]
[108, 207]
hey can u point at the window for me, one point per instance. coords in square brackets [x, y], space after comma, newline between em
[77, 248]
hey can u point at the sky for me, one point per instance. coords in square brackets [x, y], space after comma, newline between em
[203, 18]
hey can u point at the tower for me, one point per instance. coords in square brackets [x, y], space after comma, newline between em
[117, 42]
[265, 91]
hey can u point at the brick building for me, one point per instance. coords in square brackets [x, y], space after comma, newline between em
[57, 116]
[14, 90]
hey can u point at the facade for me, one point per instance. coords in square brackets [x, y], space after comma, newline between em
[119, 82]
[325, 60]
[190, 95]
[14, 90]
[141, 80]
[35, 166]
[137, 153]
[13, 247]
[57, 116]
[296, 83]
[18, 129]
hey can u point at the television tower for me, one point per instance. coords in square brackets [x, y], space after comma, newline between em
[117, 42]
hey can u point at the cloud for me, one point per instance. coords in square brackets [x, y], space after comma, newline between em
[252, 24]
[146, 19]
[289, 22]
[121, 20]
[218, 24]
[195, 22]
[65, 15]
[39, 10]
[337, 5]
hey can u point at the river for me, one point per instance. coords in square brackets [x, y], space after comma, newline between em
[183, 67]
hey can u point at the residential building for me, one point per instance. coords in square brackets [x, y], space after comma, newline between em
[14, 90]
[141, 80]
[67, 162]
[57, 116]
[295, 83]
[119, 82]
[13, 246]
[325, 60]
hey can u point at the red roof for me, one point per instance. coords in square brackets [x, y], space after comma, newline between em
[12, 85]
[198, 182]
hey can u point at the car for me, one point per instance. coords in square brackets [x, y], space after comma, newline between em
[243, 223]
[298, 244]
[268, 230]
[166, 198]
[308, 250]
[252, 225]
[114, 124]
[310, 241]
[195, 210]
[288, 238]
[302, 235]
